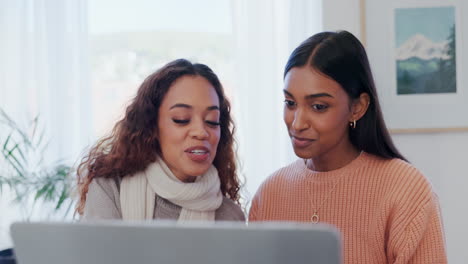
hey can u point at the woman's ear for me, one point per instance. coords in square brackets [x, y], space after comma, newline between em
[359, 107]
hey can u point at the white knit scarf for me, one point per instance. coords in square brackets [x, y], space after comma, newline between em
[199, 200]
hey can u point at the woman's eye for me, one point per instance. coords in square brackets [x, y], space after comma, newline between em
[289, 103]
[181, 121]
[212, 123]
[319, 107]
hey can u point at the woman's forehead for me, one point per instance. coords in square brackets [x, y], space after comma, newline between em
[193, 91]
[305, 81]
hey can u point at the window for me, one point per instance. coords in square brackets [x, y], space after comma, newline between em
[130, 40]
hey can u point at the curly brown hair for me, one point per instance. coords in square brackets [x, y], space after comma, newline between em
[133, 144]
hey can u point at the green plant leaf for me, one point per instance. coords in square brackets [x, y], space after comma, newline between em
[7, 140]
[63, 196]
[11, 153]
[41, 191]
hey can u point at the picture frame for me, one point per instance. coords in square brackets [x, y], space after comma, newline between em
[415, 55]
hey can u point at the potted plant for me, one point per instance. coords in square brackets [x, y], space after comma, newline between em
[30, 180]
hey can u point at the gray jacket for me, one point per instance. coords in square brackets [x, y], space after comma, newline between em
[103, 202]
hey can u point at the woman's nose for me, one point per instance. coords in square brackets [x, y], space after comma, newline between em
[199, 131]
[300, 121]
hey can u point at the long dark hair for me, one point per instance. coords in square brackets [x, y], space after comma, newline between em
[341, 56]
[133, 143]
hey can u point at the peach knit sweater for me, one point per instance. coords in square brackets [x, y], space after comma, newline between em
[386, 210]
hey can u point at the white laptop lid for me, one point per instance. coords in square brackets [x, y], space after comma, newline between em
[172, 243]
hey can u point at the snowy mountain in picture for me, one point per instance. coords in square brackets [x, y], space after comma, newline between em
[421, 47]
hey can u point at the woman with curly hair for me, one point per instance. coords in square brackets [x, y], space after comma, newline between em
[170, 157]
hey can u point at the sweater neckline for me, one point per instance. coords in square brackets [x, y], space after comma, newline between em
[326, 176]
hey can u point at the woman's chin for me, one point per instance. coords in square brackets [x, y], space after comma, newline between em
[196, 172]
[303, 154]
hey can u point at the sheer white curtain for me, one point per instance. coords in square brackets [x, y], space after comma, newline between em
[44, 69]
[266, 32]
[44, 72]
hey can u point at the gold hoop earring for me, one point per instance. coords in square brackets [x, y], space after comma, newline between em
[353, 124]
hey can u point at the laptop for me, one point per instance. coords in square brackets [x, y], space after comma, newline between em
[111, 242]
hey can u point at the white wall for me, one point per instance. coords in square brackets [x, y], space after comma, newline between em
[342, 14]
[442, 157]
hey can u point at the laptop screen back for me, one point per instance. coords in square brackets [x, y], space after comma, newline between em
[169, 242]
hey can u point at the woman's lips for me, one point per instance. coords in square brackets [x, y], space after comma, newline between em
[198, 154]
[301, 142]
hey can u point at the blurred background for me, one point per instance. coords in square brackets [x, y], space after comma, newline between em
[68, 69]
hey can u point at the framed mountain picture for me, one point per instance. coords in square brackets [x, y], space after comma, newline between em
[415, 54]
[425, 42]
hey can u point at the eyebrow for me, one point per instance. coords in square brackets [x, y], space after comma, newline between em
[318, 95]
[209, 108]
[311, 96]
[214, 107]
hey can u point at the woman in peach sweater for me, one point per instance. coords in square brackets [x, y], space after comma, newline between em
[350, 174]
